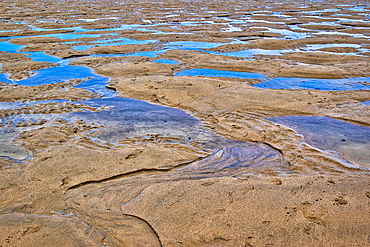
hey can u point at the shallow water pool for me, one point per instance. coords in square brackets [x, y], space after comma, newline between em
[351, 141]
[220, 73]
[360, 83]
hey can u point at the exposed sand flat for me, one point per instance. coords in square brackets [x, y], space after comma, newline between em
[142, 123]
[13, 93]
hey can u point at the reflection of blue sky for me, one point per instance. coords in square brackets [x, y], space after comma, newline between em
[317, 47]
[74, 35]
[361, 83]
[166, 61]
[112, 42]
[135, 54]
[71, 72]
[332, 134]
[82, 47]
[289, 34]
[191, 45]
[41, 57]
[3, 78]
[249, 53]
[11, 48]
[123, 41]
[355, 35]
[35, 56]
[220, 73]
[59, 74]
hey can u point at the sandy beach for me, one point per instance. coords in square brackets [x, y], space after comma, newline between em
[184, 123]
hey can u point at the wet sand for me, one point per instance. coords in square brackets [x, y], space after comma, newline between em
[180, 123]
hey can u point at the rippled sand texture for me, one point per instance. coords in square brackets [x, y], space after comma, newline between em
[184, 123]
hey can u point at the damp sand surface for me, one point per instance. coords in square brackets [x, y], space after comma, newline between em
[184, 124]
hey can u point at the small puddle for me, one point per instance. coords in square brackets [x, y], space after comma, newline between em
[130, 118]
[7, 148]
[3, 78]
[74, 35]
[191, 45]
[61, 73]
[135, 54]
[289, 34]
[351, 141]
[121, 118]
[220, 73]
[360, 83]
[113, 42]
[90, 80]
[166, 61]
[8, 47]
[39, 56]
[250, 53]
[133, 118]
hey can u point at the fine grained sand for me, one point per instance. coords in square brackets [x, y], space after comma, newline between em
[222, 173]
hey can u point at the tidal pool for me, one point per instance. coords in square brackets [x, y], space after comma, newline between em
[120, 118]
[166, 61]
[249, 53]
[135, 54]
[351, 141]
[63, 74]
[220, 73]
[191, 45]
[9, 47]
[113, 42]
[361, 83]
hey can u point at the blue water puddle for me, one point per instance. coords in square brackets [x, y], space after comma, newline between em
[74, 35]
[40, 29]
[122, 118]
[289, 34]
[351, 141]
[316, 84]
[321, 46]
[366, 103]
[130, 116]
[127, 42]
[359, 8]
[91, 81]
[42, 57]
[5, 46]
[166, 61]
[190, 45]
[360, 83]
[249, 53]
[133, 118]
[97, 85]
[220, 73]
[21, 104]
[124, 41]
[8, 47]
[135, 54]
[82, 47]
[61, 73]
[112, 42]
[3, 78]
[355, 35]
[113, 29]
